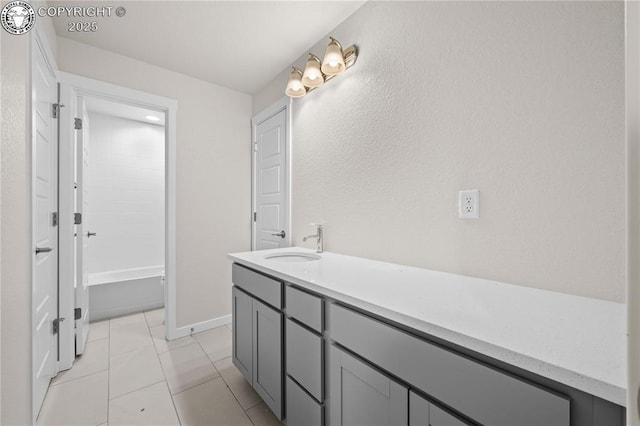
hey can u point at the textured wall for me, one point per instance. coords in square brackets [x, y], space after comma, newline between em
[213, 172]
[15, 380]
[521, 100]
[126, 194]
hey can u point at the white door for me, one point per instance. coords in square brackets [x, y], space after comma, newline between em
[83, 233]
[45, 233]
[271, 180]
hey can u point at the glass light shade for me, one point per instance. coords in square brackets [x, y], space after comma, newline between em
[295, 88]
[312, 77]
[333, 62]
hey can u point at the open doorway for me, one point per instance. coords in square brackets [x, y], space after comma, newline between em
[121, 164]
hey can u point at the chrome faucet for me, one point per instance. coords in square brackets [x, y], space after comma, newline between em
[318, 236]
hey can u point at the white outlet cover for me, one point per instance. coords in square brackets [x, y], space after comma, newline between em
[469, 204]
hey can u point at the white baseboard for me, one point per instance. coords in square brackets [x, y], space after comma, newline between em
[202, 326]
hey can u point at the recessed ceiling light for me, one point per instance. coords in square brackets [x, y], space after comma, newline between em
[152, 118]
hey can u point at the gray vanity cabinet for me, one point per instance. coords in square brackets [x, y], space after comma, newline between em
[361, 395]
[424, 413]
[258, 334]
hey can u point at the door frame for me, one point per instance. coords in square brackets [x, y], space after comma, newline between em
[281, 104]
[83, 86]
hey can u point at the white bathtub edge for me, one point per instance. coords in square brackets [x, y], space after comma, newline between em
[99, 278]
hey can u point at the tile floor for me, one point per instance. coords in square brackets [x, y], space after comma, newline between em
[129, 374]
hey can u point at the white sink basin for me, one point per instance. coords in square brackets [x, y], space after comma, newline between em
[293, 257]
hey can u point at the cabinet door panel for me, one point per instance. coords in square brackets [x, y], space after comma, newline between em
[418, 410]
[361, 395]
[242, 332]
[438, 417]
[267, 355]
[423, 413]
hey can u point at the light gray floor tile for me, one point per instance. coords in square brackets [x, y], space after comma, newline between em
[128, 336]
[216, 342]
[128, 320]
[134, 370]
[242, 390]
[261, 415]
[94, 359]
[162, 345]
[210, 403]
[98, 330]
[155, 317]
[186, 367]
[78, 402]
[149, 406]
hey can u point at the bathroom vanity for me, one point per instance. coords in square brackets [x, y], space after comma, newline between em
[339, 340]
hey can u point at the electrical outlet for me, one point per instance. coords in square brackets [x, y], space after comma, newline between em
[469, 204]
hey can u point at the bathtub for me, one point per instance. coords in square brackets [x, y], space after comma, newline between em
[125, 291]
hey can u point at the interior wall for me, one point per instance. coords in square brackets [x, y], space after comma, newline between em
[15, 244]
[213, 183]
[523, 101]
[126, 194]
[633, 206]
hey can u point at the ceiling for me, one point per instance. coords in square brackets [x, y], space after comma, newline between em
[116, 109]
[237, 44]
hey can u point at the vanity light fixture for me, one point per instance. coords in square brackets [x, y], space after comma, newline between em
[295, 88]
[333, 62]
[316, 72]
[312, 76]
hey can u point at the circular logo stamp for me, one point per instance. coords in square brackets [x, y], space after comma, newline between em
[17, 17]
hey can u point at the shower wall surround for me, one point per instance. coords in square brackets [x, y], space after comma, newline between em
[126, 194]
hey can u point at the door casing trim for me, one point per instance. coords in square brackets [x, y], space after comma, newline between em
[89, 87]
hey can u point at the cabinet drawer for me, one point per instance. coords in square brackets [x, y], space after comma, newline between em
[302, 410]
[482, 393]
[260, 286]
[304, 307]
[304, 358]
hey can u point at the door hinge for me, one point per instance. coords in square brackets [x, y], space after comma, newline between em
[255, 147]
[54, 219]
[56, 325]
[77, 123]
[255, 216]
[77, 313]
[77, 218]
[55, 110]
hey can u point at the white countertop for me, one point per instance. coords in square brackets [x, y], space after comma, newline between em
[574, 340]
